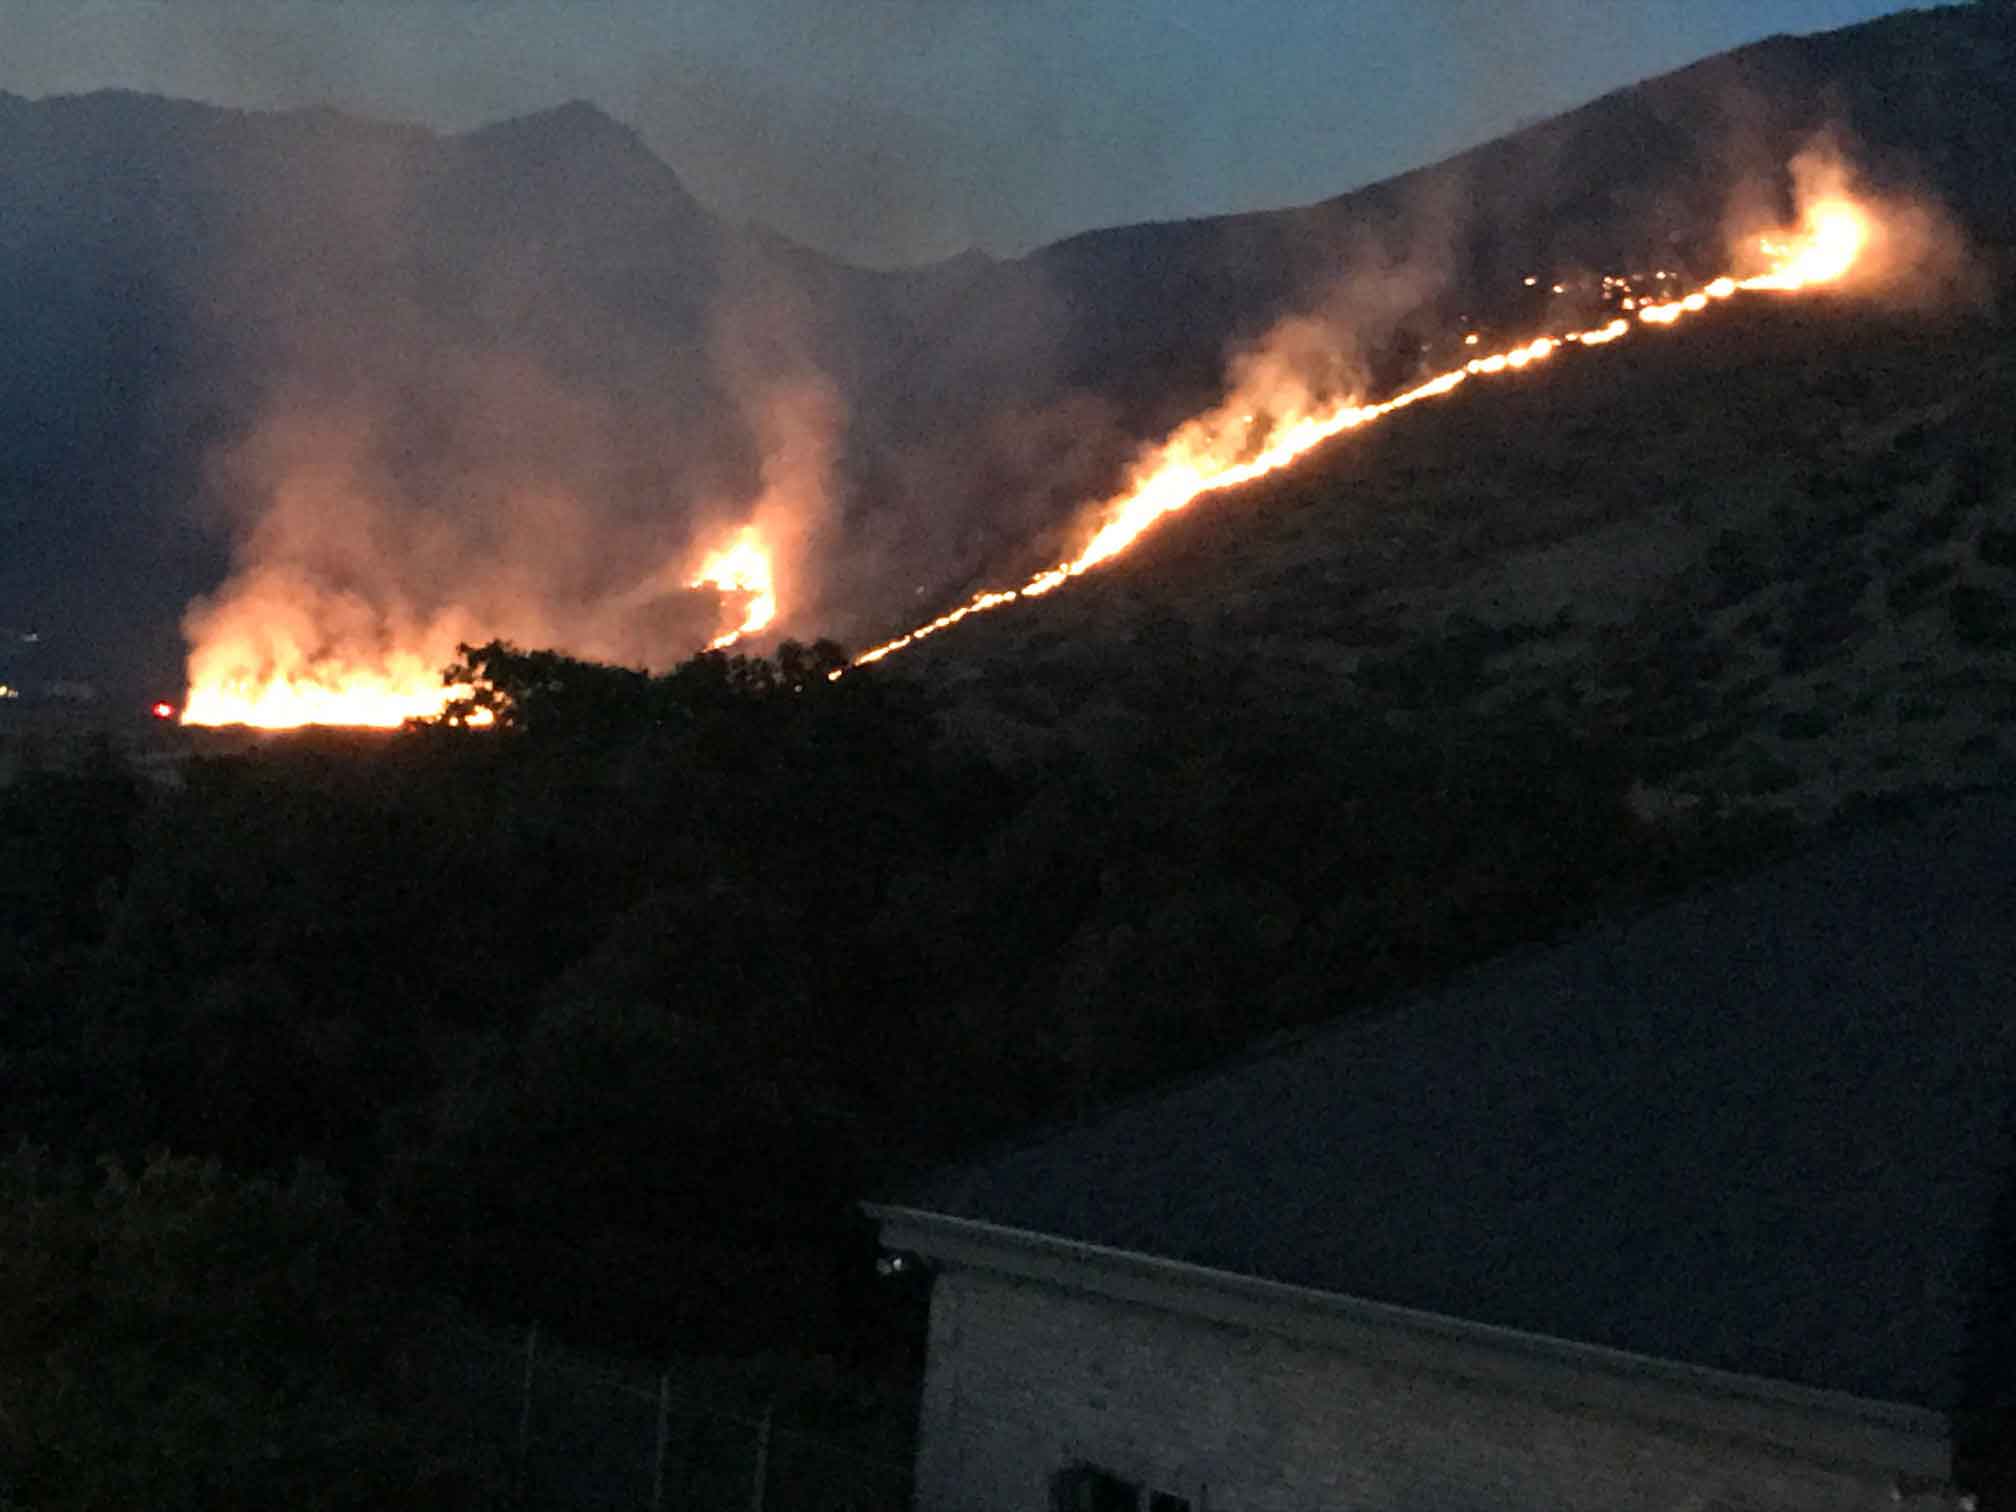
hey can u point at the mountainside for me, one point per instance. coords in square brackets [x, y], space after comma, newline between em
[1770, 558]
[540, 304]
[1140, 318]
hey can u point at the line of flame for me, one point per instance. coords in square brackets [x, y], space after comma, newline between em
[1837, 231]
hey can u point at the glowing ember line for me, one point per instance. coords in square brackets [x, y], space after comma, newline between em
[1836, 233]
[1614, 331]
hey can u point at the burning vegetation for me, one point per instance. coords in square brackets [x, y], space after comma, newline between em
[742, 570]
[1271, 424]
[279, 650]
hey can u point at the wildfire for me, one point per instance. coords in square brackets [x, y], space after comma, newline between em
[263, 657]
[1212, 453]
[742, 568]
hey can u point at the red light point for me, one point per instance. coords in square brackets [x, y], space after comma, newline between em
[163, 711]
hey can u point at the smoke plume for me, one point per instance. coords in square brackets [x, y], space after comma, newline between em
[430, 463]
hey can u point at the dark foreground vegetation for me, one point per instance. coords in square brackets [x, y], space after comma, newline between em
[606, 1016]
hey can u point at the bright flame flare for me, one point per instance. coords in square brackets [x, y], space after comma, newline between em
[742, 567]
[376, 698]
[1837, 234]
[270, 673]
[1205, 456]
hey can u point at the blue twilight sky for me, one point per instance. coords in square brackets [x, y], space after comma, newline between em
[898, 130]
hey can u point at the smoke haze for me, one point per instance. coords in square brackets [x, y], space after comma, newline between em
[453, 436]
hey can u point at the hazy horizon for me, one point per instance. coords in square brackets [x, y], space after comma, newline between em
[903, 131]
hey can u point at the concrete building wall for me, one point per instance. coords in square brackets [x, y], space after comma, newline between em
[1026, 1379]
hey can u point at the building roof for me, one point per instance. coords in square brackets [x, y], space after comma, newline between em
[1762, 1129]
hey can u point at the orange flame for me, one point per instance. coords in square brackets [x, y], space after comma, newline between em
[1208, 454]
[405, 687]
[281, 651]
[742, 568]
[1837, 232]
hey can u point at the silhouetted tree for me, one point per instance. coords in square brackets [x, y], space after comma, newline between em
[545, 692]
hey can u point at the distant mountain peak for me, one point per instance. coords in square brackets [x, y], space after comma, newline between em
[972, 260]
[573, 141]
[574, 125]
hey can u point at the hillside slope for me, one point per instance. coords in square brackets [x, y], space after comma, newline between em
[1140, 318]
[1772, 555]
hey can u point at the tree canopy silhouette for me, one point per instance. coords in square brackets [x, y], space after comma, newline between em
[549, 693]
